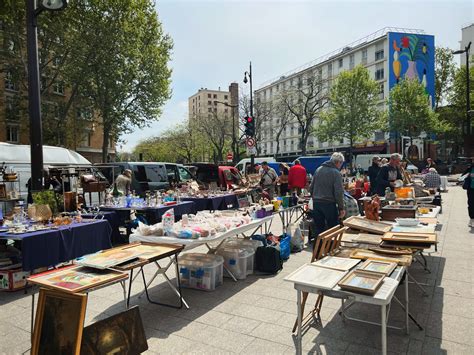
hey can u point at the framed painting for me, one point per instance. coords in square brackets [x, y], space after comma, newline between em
[410, 237]
[59, 323]
[364, 254]
[3, 191]
[383, 267]
[122, 333]
[76, 279]
[362, 281]
[361, 223]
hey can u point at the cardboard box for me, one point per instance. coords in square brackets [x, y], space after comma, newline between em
[12, 280]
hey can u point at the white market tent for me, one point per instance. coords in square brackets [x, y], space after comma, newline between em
[13, 154]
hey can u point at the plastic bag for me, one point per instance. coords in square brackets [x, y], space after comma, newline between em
[297, 238]
[168, 221]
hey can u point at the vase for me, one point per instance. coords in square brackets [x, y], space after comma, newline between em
[411, 72]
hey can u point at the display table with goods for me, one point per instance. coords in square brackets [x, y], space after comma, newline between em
[220, 202]
[111, 217]
[204, 228]
[45, 245]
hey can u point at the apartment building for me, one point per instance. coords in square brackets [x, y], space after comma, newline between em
[214, 102]
[467, 35]
[380, 53]
[78, 129]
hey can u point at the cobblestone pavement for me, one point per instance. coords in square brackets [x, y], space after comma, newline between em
[255, 316]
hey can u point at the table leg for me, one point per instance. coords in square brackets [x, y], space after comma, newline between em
[129, 288]
[32, 314]
[299, 347]
[384, 329]
[406, 303]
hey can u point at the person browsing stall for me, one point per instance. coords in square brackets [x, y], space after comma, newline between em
[388, 174]
[297, 176]
[432, 180]
[268, 179]
[124, 182]
[283, 178]
[373, 172]
[327, 193]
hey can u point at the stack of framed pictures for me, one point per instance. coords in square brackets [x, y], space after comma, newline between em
[368, 278]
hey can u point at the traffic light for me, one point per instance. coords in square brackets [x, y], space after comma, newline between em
[249, 126]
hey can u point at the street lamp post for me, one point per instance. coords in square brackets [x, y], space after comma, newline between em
[467, 138]
[249, 74]
[235, 145]
[34, 99]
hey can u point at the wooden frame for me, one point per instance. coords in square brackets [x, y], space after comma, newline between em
[383, 267]
[410, 237]
[75, 278]
[59, 323]
[366, 282]
[367, 238]
[367, 225]
[3, 191]
[403, 260]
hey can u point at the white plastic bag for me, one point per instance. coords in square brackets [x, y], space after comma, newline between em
[297, 238]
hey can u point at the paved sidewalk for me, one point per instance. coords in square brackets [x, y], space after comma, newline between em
[255, 316]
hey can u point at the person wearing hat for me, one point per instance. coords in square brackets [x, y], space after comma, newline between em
[373, 172]
[124, 182]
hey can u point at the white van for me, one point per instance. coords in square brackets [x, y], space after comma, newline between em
[244, 163]
[365, 161]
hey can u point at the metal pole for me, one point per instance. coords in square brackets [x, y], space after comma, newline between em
[468, 92]
[34, 100]
[234, 140]
[252, 156]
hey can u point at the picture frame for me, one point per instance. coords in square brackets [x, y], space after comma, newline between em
[13, 195]
[74, 279]
[59, 323]
[3, 191]
[127, 328]
[364, 254]
[360, 281]
[410, 237]
[364, 224]
[382, 267]
[314, 275]
[336, 263]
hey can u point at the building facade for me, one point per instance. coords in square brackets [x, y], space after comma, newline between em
[466, 37]
[388, 54]
[66, 123]
[212, 102]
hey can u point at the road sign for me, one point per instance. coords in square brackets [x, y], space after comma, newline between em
[250, 142]
[251, 150]
[230, 157]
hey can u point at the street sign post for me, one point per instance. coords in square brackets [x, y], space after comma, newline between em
[230, 157]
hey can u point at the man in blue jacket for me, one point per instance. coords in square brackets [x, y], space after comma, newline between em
[327, 192]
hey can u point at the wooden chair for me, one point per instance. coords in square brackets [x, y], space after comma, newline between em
[327, 243]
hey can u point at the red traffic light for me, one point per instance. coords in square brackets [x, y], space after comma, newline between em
[249, 119]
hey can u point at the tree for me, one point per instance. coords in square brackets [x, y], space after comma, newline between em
[284, 118]
[122, 55]
[409, 110]
[216, 129]
[444, 75]
[304, 103]
[353, 113]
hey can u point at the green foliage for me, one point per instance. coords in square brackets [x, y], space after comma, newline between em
[46, 197]
[353, 113]
[409, 110]
[444, 75]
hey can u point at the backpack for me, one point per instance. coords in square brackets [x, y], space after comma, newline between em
[268, 260]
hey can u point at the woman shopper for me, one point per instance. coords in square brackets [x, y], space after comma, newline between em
[283, 179]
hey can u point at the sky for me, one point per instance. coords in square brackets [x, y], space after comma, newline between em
[215, 40]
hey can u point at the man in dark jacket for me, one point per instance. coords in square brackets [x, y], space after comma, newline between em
[373, 172]
[388, 174]
[327, 192]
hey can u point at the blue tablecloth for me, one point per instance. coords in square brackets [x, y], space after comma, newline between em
[114, 221]
[51, 247]
[223, 202]
[153, 214]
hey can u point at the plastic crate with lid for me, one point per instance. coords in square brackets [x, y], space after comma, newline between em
[201, 271]
[239, 260]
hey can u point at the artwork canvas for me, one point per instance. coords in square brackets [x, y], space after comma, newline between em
[110, 257]
[59, 323]
[76, 279]
[122, 333]
[153, 251]
[403, 260]
[382, 267]
[313, 275]
[362, 281]
[3, 191]
[336, 263]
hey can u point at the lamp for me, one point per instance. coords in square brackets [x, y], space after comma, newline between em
[53, 5]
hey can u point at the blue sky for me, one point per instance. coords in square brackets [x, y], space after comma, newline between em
[215, 40]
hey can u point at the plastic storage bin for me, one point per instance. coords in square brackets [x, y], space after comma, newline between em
[201, 271]
[239, 260]
[243, 243]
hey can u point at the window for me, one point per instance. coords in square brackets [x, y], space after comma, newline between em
[381, 91]
[12, 112]
[184, 175]
[351, 61]
[215, 109]
[86, 142]
[364, 56]
[341, 62]
[209, 102]
[379, 54]
[10, 83]
[379, 74]
[58, 87]
[320, 73]
[12, 134]
[215, 103]
[209, 109]
[226, 110]
[215, 96]
[226, 97]
[208, 96]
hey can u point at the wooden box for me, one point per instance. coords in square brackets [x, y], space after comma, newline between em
[390, 213]
[12, 280]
